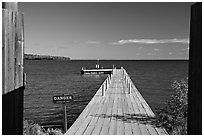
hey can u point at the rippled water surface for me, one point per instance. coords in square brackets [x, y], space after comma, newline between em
[46, 79]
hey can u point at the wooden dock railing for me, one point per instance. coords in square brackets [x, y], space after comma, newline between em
[117, 108]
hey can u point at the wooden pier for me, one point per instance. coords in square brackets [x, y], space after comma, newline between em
[116, 109]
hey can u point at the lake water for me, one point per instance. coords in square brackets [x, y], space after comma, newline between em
[46, 79]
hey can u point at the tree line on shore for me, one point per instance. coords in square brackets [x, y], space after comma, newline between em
[44, 57]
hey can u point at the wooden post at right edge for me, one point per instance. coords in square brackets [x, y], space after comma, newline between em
[195, 72]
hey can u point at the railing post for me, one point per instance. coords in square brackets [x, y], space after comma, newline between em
[103, 90]
[107, 84]
[109, 79]
[130, 87]
[126, 79]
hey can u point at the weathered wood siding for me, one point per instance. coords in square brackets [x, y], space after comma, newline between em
[12, 50]
[12, 69]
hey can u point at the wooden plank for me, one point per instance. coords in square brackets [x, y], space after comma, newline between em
[134, 124]
[161, 131]
[86, 122]
[148, 111]
[136, 128]
[11, 72]
[98, 127]
[80, 119]
[19, 52]
[113, 123]
[16, 51]
[151, 129]
[5, 24]
[137, 113]
[126, 113]
[102, 114]
[142, 111]
[84, 125]
[94, 114]
[120, 123]
[94, 120]
[88, 110]
[23, 78]
[106, 124]
[96, 99]
[99, 123]
[125, 107]
[3, 52]
[143, 129]
[144, 103]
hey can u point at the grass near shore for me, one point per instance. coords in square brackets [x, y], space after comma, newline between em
[31, 128]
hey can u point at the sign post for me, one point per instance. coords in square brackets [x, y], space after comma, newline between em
[65, 117]
[65, 98]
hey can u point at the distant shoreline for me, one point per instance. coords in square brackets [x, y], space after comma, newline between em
[130, 59]
[44, 57]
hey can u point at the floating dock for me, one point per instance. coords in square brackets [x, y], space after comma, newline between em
[117, 108]
[96, 71]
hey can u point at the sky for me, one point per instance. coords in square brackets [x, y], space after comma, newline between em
[113, 30]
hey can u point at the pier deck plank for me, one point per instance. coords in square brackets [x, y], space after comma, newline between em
[116, 113]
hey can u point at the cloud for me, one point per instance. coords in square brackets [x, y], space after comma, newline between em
[92, 42]
[152, 41]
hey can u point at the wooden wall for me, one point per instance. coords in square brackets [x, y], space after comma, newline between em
[12, 69]
[12, 50]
